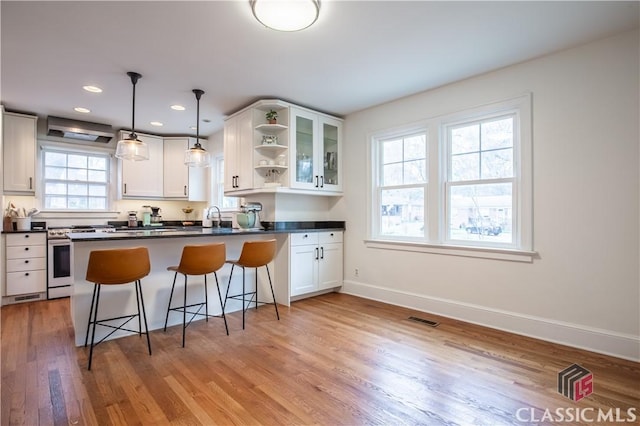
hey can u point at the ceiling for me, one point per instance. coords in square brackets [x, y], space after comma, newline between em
[357, 55]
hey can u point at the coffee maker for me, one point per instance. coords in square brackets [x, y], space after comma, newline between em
[155, 218]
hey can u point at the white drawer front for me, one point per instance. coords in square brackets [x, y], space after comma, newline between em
[26, 282]
[17, 265]
[304, 238]
[25, 252]
[26, 239]
[330, 237]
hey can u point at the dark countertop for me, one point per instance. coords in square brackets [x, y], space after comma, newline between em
[197, 231]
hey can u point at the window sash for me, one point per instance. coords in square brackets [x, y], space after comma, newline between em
[84, 196]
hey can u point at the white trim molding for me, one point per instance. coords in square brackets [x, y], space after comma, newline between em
[605, 342]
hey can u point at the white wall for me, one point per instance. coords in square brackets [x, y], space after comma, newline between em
[583, 290]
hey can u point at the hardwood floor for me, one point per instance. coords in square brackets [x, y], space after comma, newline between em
[330, 360]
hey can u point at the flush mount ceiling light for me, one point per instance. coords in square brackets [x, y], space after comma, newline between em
[197, 156]
[131, 148]
[286, 15]
[82, 110]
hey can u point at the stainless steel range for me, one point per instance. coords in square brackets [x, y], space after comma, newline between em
[60, 258]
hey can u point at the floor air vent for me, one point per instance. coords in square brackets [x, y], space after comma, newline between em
[425, 321]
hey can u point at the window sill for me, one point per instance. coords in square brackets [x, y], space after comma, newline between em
[451, 250]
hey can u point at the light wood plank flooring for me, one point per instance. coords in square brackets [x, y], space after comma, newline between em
[330, 360]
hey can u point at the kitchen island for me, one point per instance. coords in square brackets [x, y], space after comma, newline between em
[165, 248]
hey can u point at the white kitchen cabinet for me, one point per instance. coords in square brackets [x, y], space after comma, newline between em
[315, 151]
[316, 261]
[26, 255]
[144, 179]
[19, 152]
[238, 152]
[301, 153]
[181, 181]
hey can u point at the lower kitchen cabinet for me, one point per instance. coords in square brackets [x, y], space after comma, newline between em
[26, 263]
[316, 261]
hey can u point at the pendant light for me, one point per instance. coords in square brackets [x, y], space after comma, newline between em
[197, 156]
[131, 148]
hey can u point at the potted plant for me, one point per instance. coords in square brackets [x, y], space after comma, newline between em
[271, 116]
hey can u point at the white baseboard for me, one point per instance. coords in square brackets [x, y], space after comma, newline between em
[606, 342]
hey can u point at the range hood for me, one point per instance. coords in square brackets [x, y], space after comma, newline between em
[79, 130]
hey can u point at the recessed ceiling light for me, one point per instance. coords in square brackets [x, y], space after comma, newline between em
[82, 110]
[192, 127]
[156, 123]
[92, 89]
[177, 107]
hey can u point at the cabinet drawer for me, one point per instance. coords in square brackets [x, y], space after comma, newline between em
[330, 237]
[26, 252]
[26, 239]
[304, 238]
[26, 282]
[17, 265]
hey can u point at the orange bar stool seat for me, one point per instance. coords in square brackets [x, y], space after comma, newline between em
[198, 260]
[116, 267]
[254, 254]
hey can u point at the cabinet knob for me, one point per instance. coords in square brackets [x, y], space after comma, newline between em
[26, 249]
[26, 235]
[26, 274]
[331, 234]
[26, 261]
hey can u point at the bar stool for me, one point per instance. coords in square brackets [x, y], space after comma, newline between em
[254, 254]
[114, 267]
[198, 260]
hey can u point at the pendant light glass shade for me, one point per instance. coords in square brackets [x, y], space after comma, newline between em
[197, 156]
[286, 15]
[131, 148]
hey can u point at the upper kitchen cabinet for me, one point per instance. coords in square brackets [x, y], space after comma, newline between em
[181, 181]
[299, 153]
[19, 153]
[238, 152]
[315, 156]
[144, 179]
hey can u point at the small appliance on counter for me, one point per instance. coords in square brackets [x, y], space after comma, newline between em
[132, 221]
[249, 217]
[146, 216]
[154, 218]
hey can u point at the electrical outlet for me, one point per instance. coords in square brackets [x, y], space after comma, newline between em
[356, 272]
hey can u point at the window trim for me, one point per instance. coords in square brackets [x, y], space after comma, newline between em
[63, 148]
[522, 249]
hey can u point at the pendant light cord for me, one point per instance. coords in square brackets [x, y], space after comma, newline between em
[134, 79]
[198, 94]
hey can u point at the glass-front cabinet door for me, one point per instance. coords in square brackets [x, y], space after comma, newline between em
[316, 154]
[330, 137]
[304, 131]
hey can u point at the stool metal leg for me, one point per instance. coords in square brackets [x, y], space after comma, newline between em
[170, 298]
[138, 306]
[184, 311]
[206, 299]
[144, 315]
[93, 300]
[244, 295]
[226, 295]
[272, 293]
[256, 287]
[93, 332]
[221, 305]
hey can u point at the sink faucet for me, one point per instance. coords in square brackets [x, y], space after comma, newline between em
[219, 225]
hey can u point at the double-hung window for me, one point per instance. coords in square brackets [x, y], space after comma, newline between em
[75, 180]
[456, 181]
[402, 185]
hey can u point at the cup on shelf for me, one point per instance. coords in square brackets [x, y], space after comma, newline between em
[272, 163]
[263, 162]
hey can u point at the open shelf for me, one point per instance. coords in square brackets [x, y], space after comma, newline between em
[271, 129]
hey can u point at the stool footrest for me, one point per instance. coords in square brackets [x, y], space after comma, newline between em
[103, 322]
